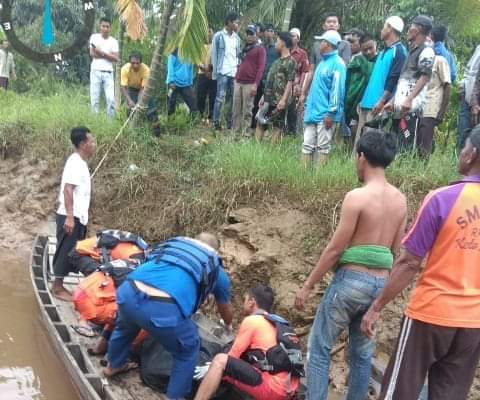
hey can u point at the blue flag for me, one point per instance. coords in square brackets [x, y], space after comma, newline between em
[47, 35]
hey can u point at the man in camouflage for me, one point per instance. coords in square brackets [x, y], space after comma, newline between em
[278, 90]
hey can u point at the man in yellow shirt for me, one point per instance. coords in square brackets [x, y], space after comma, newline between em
[133, 79]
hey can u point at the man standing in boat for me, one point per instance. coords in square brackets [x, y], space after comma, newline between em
[372, 223]
[74, 202]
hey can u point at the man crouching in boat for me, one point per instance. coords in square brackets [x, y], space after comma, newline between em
[161, 295]
[265, 360]
[371, 226]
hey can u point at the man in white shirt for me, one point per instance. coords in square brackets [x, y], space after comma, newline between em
[74, 202]
[225, 59]
[104, 52]
[7, 65]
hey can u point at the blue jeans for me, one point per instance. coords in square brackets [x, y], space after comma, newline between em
[102, 80]
[224, 91]
[165, 322]
[464, 124]
[345, 302]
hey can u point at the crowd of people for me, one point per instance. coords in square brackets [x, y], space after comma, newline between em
[270, 86]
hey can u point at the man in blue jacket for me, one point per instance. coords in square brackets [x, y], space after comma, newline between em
[161, 295]
[386, 72]
[180, 82]
[324, 106]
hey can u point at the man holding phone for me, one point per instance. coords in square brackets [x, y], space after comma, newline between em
[104, 52]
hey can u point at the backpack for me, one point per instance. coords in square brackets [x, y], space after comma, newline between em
[109, 239]
[202, 264]
[285, 356]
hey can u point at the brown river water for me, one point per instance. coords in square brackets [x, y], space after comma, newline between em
[29, 368]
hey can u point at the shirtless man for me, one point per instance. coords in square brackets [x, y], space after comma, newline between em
[371, 226]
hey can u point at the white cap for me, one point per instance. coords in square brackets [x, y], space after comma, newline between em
[332, 37]
[396, 23]
[295, 31]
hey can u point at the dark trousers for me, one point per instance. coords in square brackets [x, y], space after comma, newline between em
[425, 131]
[206, 89]
[188, 95]
[4, 83]
[464, 124]
[405, 135]
[448, 355]
[65, 244]
[259, 95]
[292, 118]
[152, 108]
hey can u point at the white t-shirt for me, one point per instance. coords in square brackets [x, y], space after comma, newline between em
[109, 45]
[76, 173]
[230, 62]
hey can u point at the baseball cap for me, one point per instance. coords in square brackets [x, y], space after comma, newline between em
[332, 37]
[251, 29]
[423, 20]
[295, 31]
[396, 23]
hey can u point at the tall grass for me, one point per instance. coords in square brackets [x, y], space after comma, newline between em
[280, 166]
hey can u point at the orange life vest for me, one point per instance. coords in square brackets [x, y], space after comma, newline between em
[95, 298]
[122, 251]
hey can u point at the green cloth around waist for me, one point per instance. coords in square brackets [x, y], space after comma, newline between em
[376, 257]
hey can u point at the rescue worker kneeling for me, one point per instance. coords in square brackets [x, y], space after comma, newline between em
[161, 295]
[265, 360]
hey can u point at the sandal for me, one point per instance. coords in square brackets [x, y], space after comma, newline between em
[84, 330]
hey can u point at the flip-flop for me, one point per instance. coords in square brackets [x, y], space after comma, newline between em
[84, 331]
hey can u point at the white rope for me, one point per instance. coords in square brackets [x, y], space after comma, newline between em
[114, 140]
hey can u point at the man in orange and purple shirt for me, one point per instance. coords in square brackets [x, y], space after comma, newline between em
[440, 335]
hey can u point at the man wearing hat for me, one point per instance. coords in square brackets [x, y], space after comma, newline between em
[294, 117]
[325, 102]
[247, 80]
[409, 99]
[384, 77]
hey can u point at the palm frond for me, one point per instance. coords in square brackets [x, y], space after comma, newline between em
[133, 17]
[268, 11]
[191, 32]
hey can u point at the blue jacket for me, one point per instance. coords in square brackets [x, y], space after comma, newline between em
[385, 74]
[178, 73]
[218, 52]
[441, 50]
[327, 93]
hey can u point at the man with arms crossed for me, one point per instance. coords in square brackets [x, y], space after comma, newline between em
[372, 223]
[104, 52]
[74, 202]
[440, 334]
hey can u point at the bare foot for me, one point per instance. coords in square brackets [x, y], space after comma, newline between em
[110, 372]
[62, 294]
[99, 349]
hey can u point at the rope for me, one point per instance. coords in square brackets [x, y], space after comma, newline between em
[114, 140]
